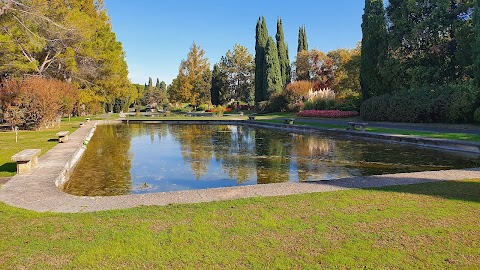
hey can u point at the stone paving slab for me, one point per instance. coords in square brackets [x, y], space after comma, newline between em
[37, 190]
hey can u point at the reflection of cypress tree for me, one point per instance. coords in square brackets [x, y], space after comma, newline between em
[105, 168]
[234, 150]
[273, 161]
[196, 146]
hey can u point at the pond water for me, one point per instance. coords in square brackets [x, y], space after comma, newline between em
[145, 158]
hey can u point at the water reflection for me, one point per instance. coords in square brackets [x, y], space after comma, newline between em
[105, 169]
[141, 158]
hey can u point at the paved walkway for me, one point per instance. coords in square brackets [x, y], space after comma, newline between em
[439, 128]
[37, 190]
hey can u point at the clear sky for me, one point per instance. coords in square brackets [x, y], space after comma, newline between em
[157, 34]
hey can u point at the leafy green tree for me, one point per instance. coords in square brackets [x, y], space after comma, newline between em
[260, 69]
[67, 40]
[373, 48]
[429, 43]
[273, 83]
[302, 66]
[347, 71]
[238, 69]
[194, 78]
[283, 57]
[476, 51]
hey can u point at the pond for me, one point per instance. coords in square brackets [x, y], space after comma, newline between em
[146, 158]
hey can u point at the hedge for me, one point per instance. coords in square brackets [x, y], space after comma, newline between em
[445, 104]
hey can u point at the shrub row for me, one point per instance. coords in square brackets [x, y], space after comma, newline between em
[328, 114]
[349, 104]
[445, 104]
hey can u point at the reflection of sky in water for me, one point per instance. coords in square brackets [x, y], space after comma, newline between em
[158, 158]
[160, 164]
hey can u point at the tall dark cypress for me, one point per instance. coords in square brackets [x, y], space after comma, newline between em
[261, 44]
[373, 48]
[283, 57]
[302, 39]
[273, 83]
[217, 84]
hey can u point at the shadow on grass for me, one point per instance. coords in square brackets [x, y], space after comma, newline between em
[454, 190]
[10, 167]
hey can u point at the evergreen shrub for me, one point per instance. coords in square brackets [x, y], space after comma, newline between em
[446, 104]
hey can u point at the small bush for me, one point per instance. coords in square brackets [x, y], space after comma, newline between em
[277, 103]
[203, 107]
[219, 110]
[476, 116]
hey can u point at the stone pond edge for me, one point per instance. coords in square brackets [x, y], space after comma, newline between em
[42, 192]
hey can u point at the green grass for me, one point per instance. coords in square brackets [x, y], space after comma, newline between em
[43, 139]
[428, 226]
[426, 134]
[448, 136]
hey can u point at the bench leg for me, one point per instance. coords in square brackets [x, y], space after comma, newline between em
[24, 167]
[63, 139]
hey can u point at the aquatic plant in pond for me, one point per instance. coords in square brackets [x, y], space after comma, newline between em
[140, 158]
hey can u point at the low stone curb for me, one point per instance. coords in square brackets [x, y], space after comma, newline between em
[38, 191]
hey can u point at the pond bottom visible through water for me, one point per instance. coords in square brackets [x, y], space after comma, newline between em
[146, 158]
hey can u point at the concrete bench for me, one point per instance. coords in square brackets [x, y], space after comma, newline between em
[251, 117]
[26, 160]
[289, 121]
[355, 126]
[63, 136]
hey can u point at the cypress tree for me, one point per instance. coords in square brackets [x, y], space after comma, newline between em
[273, 83]
[261, 44]
[217, 84]
[150, 82]
[283, 57]
[302, 39]
[373, 48]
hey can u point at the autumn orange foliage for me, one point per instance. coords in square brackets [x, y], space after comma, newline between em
[35, 101]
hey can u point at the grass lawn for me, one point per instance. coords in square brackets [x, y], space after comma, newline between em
[44, 139]
[448, 136]
[431, 226]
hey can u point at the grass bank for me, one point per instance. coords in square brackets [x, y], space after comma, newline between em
[426, 134]
[431, 226]
[43, 139]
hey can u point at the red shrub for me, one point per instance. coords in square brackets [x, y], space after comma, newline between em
[37, 101]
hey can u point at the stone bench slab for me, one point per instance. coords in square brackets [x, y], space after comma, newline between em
[63, 136]
[26, 160]
[26, 155]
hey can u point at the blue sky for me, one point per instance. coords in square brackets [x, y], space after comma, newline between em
[157, 34]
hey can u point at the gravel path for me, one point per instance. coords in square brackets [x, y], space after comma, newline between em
[37, 190]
